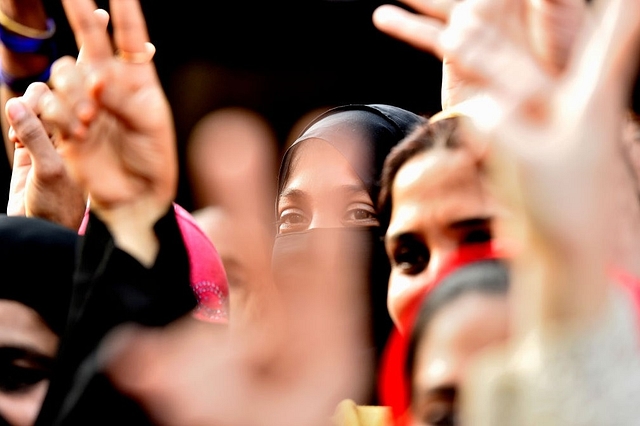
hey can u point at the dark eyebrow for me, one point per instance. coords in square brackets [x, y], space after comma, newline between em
[297, 194]
[292, 193]
[412, 236]
[471, 223]
[402, 237]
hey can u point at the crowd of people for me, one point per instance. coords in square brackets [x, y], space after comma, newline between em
[478, 266]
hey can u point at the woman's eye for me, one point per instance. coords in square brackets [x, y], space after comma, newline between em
[362, 216]
[475, 236]
[21, 369]
[292, 221]
[439, 414]
[20, 379]
[411, 257]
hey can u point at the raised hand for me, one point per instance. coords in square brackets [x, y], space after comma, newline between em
[575, 330]
[40, 185]
[110, 114]
[555, 157]
[470, 37]
[112, 122]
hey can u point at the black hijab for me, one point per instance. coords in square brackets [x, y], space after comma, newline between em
[377, 129]
[38, 260]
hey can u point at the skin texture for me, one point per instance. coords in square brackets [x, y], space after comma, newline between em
[455, 334]
[439, 204]
[40, 183]
[545, 30]
[323, 191]
[124, 129]
[21, 327]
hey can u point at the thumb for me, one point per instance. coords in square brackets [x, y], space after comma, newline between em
[30, 131]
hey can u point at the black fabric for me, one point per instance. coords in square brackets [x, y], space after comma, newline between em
[38, 259]
[330, 257]
[378, 128]
[112, 288]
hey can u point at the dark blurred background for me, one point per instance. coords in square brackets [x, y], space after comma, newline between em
[279, 58]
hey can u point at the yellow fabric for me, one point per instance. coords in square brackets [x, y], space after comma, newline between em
[348, 413]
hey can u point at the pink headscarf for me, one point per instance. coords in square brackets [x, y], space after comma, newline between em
[207, 275]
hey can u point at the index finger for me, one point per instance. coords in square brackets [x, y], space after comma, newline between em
[421, 32]
[129, 26]
[440, 9]
[89, 33]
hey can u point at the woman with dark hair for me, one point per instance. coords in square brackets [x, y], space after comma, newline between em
[432, 201]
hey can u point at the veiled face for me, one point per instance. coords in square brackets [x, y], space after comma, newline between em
[457, 333]
[323, 191]
[27, 349]
[439, 205]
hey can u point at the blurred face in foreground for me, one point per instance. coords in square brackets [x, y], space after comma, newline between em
[455, 334]
[439, 205]
[27, 349]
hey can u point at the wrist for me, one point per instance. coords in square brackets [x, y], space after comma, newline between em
[132, 227]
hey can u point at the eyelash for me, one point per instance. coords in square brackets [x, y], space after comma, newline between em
[412, 257]
[21, 379]
[20, 370]
[371, 215]
[284, 222]
[479, 235]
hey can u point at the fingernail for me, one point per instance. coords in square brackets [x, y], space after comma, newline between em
[386, 15]
[16, 110]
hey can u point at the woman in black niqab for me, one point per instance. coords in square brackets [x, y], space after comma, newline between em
[327, 187]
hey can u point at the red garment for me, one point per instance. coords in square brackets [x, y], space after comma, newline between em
[208, 277]
[393, 387]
